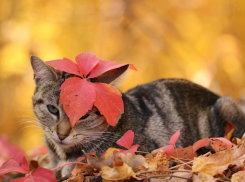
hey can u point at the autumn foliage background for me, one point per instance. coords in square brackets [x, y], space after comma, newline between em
[200, 40]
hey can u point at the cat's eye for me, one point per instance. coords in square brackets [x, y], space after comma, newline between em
[84, 117]
[52, 109]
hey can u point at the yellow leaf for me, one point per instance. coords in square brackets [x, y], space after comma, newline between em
[218, 162]
[109, 152]
[238, 177]
[123, 172]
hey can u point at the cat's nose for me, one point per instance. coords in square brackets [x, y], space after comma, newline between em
[62, 136]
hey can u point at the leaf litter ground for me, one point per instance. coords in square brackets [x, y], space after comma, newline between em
[225, 161]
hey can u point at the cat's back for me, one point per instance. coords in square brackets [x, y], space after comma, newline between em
[178, 90]
[160, 108]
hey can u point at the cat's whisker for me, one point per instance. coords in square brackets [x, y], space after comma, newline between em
[30, 126]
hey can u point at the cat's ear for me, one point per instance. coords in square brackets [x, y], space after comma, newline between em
[42, 72]
[113, 77]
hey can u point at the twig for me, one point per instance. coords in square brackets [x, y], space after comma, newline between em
[69, 163]
[165, 175]
[181, 161]
[142, 152]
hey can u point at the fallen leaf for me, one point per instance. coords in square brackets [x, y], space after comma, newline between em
[229, 130]
[127, 139]
[238, 177]
[109, 152]
[7, 150]
[185, 153]
[218, 162]
[203, 177]
[18, 163]
[123, 172]
[39, 175]
[174, 138]
[217, 144]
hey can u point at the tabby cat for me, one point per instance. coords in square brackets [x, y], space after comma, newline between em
[154, 111]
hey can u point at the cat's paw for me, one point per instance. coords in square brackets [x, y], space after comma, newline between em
[66, 170]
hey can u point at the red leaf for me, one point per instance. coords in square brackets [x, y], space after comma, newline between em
[65, 65]
[38, 151]
[39, 175]
[200, 143]
[219, 144]
[109, 102]
[104, 66]
[7, 150]
[86, 62]
[185, 153]
[18, 163]
[174, 138]
[77, 96]
[132, 149]
[216, 143]
[127, 139]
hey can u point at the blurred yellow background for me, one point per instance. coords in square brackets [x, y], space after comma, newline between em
[200, 40]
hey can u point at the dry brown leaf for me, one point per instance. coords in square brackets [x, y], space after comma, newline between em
[238, 177]
[116, 173]
[229, 129]
[133, 161]
[159, 162]
[203, 177]
[218, 162]
[76, 178]
[109, 152]
[181, 174]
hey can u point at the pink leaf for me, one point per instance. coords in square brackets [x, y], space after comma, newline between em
[104, 66]
[132, 149]
[39, 175]
[65, 65]
[127, 139]
[185, 153]
[86, 62]
[168, 150]
[216, 143]
[219, 144]
[77, 96]
[38, 151]
[109, 102]
[7, 150]
[18, 163]
[200, 143]
[174, 138]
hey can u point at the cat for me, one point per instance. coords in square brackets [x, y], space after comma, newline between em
[154, 111]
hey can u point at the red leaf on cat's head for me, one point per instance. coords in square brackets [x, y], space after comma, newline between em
[65, 65]
[126, 140]
[86, 62]
[18, 163]
[109, 102]
[174, 138]
[104, 66]
[38, 175]
[78, 95]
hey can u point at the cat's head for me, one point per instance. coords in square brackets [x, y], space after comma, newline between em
[49, 111]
